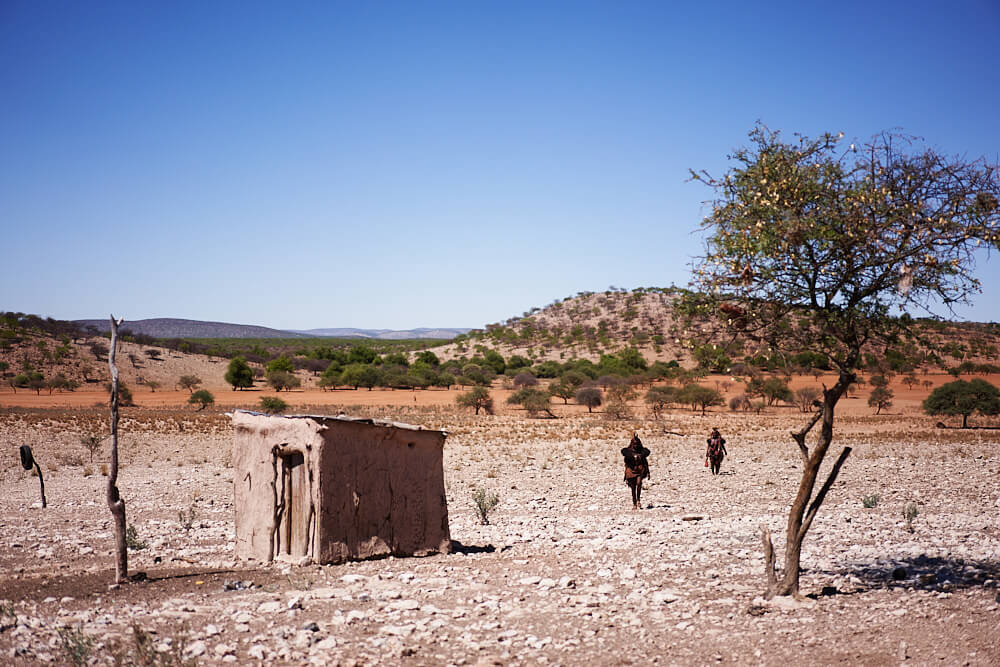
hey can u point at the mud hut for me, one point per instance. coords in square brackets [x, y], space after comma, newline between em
[331, 489]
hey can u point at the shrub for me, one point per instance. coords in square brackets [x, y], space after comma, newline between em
[534, 401]
[202, 398]
[186, 519]
[132, 539]
[806, 397]
[485, 502]
[617, 407]
[282, 380]
[272, 405]
[740, 402]
[699, 397]
[870, 500]
[525, 380]
[910, 513]
[239, 374]
[76, 644]
[92, 442]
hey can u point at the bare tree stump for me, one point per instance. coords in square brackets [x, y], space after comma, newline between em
[115, 502]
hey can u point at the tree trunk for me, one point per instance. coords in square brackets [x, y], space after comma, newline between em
[41, 483]
[802, 513]
[115, 502]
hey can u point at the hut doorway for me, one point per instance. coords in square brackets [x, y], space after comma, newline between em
[293, 522]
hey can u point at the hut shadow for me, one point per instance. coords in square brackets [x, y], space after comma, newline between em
[922, 572]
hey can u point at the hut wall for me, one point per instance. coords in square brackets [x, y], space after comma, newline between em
[383, 493]
[275, 490]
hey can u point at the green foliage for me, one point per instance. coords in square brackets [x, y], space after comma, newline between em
[870, 500]
[202, 398]
[534, 401]
[281, 364]
[331, 376]
[478, 399]
[963, 398]
[132, 539]
[712, 358]
[880, 399]
[495, 361]
[239, 374]
[699, 397]
[548, 369]
[272, 405]
[774, 390]
[124, 394]
[484, 502]
[191, 382]
[565, 388]
[429, 358]
[361, 354]
[360, 375]
[282, 380]
[75, 644]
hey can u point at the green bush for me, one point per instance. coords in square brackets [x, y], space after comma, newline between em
[202, 398]
[272, 405]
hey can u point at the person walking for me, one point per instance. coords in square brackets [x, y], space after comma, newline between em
[636, 468]
[716, 451]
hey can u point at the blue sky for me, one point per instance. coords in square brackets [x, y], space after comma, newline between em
[405, 164]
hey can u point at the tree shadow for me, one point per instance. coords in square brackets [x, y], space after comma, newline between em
[922, 572]
[459, 548]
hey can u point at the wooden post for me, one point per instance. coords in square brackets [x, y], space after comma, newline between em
[115, 502]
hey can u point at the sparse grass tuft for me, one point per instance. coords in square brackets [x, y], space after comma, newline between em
[910, 513]
[486, 502]
[870, 500]
[186, 520]
[132, 539]
[76, 644]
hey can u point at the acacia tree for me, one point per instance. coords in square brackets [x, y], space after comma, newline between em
[478, 398]
[812, 244]
[964, 398]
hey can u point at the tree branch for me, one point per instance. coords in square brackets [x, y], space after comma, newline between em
[818, 500]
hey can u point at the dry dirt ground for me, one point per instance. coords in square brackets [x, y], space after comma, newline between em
[565, 573]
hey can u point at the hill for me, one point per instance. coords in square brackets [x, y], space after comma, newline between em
[167, 327]
[590, 324]
[386, 334]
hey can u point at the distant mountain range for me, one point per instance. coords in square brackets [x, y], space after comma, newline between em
[167, 327]
[384, 334]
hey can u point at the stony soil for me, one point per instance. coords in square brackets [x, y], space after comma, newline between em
[565, 573]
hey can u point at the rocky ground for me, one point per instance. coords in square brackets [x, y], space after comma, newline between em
[565, 573]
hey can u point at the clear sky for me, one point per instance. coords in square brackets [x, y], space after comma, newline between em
[403, 164]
